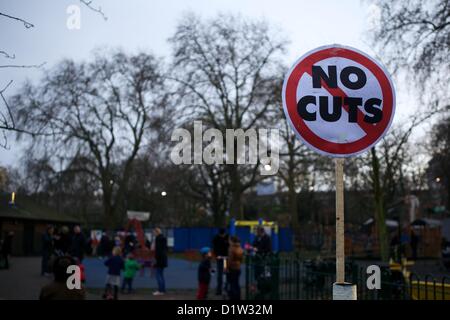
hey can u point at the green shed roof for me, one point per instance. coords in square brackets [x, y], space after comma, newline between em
[26, 208]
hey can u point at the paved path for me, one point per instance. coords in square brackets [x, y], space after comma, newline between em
[179, 275]
[23, 280]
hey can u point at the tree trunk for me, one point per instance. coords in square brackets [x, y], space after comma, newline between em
[293, 213]
[108, 212]
[219, 217]
[292, 203]
[236, 207]
[380, 218]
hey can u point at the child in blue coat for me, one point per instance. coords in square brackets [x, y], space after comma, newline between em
[115, 265]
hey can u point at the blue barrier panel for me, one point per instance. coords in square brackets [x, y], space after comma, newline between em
[285, 239]
[181, 239]
[244, 234]
[198, 237]
[193, 238]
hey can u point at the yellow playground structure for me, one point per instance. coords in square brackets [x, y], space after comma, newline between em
[253, 225]
[429, 289]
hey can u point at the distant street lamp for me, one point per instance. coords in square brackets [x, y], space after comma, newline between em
[164, 193]
[438, 179]
[13, 198]
[267, 167]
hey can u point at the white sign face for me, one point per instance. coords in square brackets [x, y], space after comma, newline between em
[338, 100]
[138, 215]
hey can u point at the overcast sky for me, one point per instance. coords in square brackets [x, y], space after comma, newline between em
[146, 24]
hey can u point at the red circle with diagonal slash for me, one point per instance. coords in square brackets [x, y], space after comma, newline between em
[374, 132]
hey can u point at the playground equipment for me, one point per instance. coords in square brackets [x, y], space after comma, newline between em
[142, 253]
[422, 290]
[253, 225]
[134, 220]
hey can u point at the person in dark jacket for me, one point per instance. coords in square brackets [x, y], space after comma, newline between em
[160, 248]
[262, 243]
[115, 265]
[78, 244]
[129, 243]
[204, 274]
[6, 248]
[47, 250]
[58, 290]
[62, 241]
[220, 250]
[414, 242]
[106, 245]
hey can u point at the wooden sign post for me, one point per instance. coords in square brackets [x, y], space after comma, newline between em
[341, 289]
[363, 100]
[340, 238]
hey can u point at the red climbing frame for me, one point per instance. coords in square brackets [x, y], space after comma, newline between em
[143, 254]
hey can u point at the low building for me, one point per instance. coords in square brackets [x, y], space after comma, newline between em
[28, 220]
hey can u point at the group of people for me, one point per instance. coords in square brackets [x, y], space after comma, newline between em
[59, 242]
[61, 250]
[116, 264]
[229, 255]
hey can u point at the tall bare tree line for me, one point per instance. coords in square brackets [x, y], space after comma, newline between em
[110, 118]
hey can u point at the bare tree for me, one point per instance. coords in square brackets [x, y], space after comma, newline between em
[414, 36]
[384, 171]
[103, 112]
[227, 71]
[209, 185]
[297, 166]
[7, 122]
[439, 149]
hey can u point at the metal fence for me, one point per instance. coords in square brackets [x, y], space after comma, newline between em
[278, 277]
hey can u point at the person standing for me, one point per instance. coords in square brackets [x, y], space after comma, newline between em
[220, 251]
[62, 241]
[7, 248]
[78, 244]
[204, 274]
[47, 250]
[414, 242]
[262, 244]
[160, 248]
[105, 246]
[235, 257]
[129, 243]
[131, 267]
[115, 265]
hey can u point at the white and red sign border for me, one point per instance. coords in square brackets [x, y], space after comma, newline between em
[374, 132]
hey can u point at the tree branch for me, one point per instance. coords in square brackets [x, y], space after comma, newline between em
[88, 4]
[25, 23]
